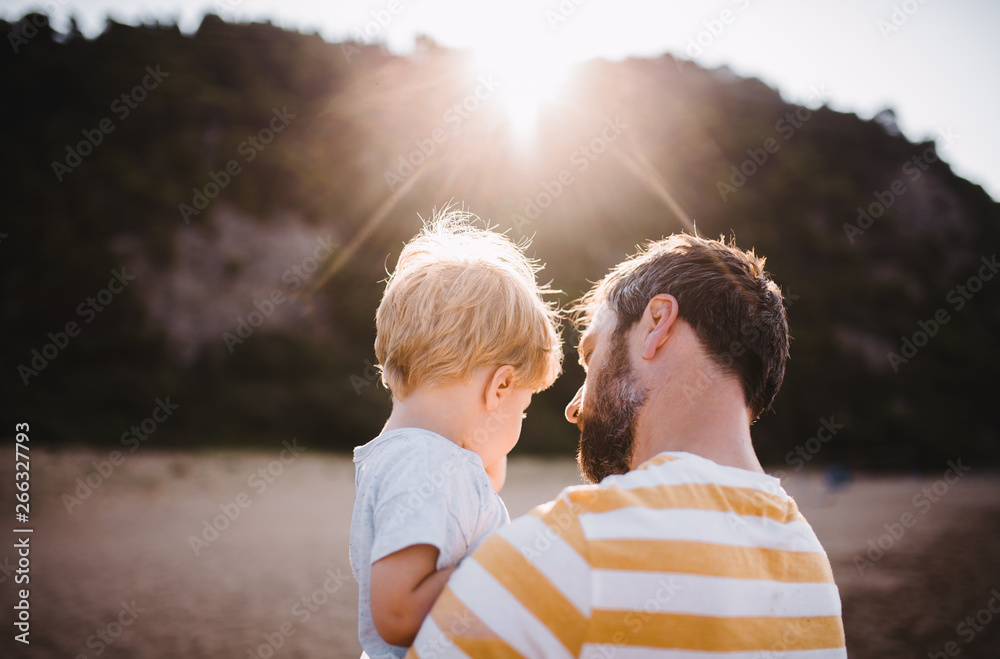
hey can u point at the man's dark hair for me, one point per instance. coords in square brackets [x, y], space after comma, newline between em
[722, 292]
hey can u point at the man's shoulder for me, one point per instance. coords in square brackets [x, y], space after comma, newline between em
[671, 487]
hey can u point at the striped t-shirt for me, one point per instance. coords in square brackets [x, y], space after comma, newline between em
[681, 557]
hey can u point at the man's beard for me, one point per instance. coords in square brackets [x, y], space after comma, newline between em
[608, 416]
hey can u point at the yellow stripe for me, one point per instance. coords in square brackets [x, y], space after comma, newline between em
[714, 634]
[698, 496]
[559, 517]
[463, 628]
[534, 591]
[657, 460]
[709, 559]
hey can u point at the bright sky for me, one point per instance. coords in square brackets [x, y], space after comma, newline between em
[936, 63]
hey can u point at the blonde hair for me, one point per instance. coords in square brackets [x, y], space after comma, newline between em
[461, 298]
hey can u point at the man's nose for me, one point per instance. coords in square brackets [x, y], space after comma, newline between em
[573, 409]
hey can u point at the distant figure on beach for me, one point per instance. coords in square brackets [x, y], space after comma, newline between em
[463, 338]
[683, 546]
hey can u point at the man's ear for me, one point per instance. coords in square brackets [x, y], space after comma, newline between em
[499, 385]
[658, 318]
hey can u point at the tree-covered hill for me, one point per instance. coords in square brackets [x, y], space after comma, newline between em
[165, 192]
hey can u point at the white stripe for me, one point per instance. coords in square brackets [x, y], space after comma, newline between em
[611, 651]
[432, 642]
[553, 557]
[689, 468]
[726, 528]
[659, 592]
[503, 613]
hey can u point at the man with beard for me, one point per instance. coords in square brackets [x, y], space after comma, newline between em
[683, 546]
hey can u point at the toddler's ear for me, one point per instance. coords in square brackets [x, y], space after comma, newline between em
[498, 386]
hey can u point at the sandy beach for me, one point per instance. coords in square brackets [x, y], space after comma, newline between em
[131, 554]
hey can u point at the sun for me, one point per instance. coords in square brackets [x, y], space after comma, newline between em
[528, 79]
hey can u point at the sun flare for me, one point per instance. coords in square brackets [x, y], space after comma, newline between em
[528, 79]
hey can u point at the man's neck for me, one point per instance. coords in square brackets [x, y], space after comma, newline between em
[713, 423]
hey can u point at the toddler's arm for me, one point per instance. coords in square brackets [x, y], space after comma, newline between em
[404, 586]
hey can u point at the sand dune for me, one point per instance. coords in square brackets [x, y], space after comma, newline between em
[276, 581]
